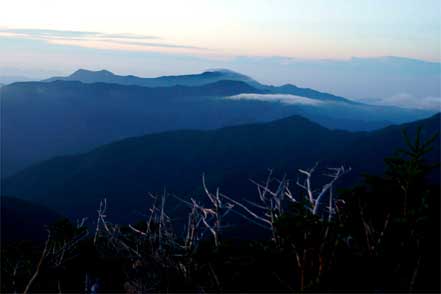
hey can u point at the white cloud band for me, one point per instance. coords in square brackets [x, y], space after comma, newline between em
[280, 98]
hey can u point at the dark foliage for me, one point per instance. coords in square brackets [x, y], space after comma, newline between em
[383, 237]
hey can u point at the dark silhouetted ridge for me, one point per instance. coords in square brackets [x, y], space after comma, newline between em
[125, 171]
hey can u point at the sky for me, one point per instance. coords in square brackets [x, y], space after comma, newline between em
[290, 28]
[266, 39]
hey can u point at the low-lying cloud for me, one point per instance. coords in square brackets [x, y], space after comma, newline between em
[280, 98]
[407, 100]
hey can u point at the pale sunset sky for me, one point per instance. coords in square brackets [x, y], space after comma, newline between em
[336, 29]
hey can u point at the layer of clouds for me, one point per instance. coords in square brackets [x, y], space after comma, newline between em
[407, 100]
[94, 39]
[280, 98]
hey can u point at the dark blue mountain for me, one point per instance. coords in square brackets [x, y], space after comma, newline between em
[105, 76]
[40, 120]
[125, 171]
[207, 77]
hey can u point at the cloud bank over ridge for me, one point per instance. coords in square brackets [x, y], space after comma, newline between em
[280, 98]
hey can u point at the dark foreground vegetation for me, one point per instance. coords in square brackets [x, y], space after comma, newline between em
[380, 236]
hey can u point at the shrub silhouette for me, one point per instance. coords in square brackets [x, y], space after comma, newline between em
[382, 235]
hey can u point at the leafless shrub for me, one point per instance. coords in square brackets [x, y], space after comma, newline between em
[316, 198]
[273, 199]
[158, 243]
[270, 206]
[210, 217]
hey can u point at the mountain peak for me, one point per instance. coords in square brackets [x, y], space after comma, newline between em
[82, 72]
[225, 71]
[106, 72]
[231, 75]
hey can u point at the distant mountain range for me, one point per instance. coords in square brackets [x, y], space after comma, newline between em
[207, 77]
[105, 76]
[59, 117]
[125, 171]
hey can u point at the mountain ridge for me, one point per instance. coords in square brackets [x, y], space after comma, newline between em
[79, 116]
[124, 171]
[209, 76]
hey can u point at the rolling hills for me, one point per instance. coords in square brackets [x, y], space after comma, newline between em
[62, 117]
[126, 171]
